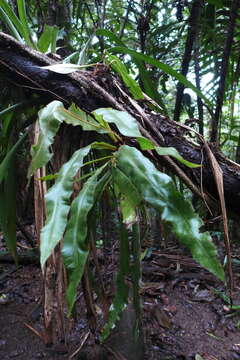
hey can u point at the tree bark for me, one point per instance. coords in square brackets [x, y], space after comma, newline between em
[97, 88]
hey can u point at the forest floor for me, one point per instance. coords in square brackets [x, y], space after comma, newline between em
[184, 313]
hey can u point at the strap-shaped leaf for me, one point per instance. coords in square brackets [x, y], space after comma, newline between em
[157, 190]
[49, 122]
[75, 247]
[57, 204]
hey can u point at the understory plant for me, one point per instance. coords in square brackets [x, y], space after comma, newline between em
[124, 170]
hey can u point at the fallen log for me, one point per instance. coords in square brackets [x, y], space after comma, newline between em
[99, 87]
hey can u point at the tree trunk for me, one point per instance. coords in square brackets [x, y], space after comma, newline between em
[97, 88]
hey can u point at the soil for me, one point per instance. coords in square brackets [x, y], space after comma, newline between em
[184, 315]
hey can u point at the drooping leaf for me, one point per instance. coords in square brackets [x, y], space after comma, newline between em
[49, 123]
[57, 204]
[121, 69]
[75, 247]
[158, 191]
[125, 123]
